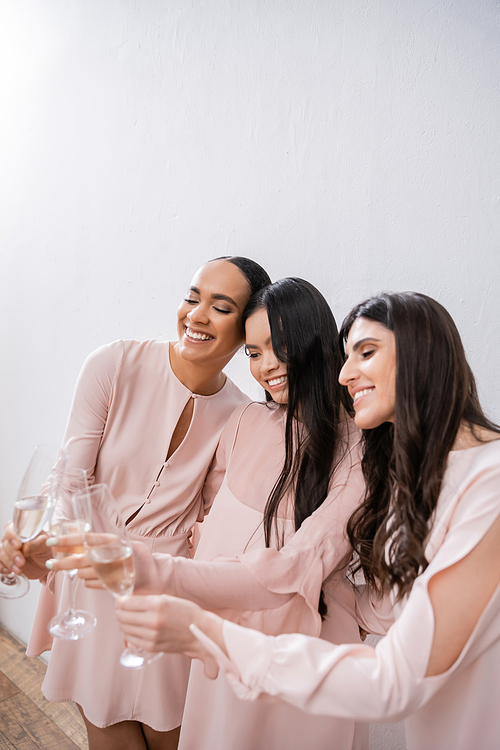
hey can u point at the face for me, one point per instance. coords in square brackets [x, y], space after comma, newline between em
[268, 371]
[209, 318]
[370, 373]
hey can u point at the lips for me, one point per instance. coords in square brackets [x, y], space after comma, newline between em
[197, 335]
[277, 381]
[359, 394]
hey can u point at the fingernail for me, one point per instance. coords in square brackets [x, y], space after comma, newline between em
[52, 541]
[49, 564]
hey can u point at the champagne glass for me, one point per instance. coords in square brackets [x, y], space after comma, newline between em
[70, 521]
[110, 552]
[33, 507]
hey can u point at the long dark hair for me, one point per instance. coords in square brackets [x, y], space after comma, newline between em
[256, 276]
[404, 462]
[304, 337]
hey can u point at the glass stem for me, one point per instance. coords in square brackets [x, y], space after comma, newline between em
[72, 592]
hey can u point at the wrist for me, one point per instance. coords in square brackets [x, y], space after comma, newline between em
[211, 625]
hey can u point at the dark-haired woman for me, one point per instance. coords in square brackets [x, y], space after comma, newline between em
[146, 419]
[275, 536]
[428, 538]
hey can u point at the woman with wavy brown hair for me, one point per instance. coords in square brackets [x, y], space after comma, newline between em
[427, 539]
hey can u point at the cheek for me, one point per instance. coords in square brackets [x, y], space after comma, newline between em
[232, 332]
[182, 311]
[254, 368]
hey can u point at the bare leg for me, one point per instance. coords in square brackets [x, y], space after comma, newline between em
[125, 734]
[161, 740]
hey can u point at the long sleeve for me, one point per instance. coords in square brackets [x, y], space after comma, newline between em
[388, 682]
[267, 578]
[89, 410]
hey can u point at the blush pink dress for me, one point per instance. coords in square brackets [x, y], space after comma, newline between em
[457, 710]
[234, 574]
[126, 406]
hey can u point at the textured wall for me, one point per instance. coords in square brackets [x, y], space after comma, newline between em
[355, 144]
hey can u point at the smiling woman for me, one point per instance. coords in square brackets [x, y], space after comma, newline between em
[146, 419]
[427, 538]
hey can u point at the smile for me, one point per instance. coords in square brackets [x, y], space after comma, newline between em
[277, 381]
[360, 394]
[197, 336]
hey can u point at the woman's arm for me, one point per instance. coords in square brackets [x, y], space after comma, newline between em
[82, 441]
[425, 645]
[264, 578]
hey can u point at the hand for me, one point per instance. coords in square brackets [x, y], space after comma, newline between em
[78, 562]
[161, 623]
[27, 558]
[61, 544]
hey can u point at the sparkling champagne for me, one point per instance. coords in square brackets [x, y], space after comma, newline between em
[30, 515]
[71, 535]
[114, 564]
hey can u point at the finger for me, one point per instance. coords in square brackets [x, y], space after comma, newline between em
[35, 546]
[138, 618]
[10, 556]
[71, 562]
[11, 535]
[145, 603]
[145, 644]
[94, 583]
[88, 574]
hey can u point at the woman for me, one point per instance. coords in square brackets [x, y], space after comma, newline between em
[292, 477]
[428, 539]
[146, 419]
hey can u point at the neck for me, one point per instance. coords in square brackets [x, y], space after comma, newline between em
[468, 437]
[204, 379]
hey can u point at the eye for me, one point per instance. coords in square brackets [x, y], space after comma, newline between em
[251, 355]
[224, 312]
[191, 301]
[367, 353]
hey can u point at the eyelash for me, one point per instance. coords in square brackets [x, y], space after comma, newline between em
[217, 309]
[251, 355]
[368, 353]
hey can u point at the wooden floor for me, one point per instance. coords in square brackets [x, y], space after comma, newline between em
[27, 720]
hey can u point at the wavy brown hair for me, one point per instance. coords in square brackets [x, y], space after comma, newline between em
[404, 462]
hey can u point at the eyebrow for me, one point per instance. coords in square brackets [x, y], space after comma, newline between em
[254, 346]
[360, 343]
[223, 297]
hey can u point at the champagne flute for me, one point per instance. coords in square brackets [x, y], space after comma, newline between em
[33, 507]
[70, 521]
[110, 552]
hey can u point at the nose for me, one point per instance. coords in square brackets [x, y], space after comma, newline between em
[347, 374]
[270, 361]
[198, 314]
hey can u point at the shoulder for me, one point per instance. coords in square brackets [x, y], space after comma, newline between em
[128, 355]
[469, 501]
[231, 395]
[350, 441]
[252, 417]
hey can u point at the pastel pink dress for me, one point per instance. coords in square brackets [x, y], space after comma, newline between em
[126, 406]
[457, 710]
[234, 574]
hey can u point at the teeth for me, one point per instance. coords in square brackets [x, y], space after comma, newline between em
[361, 393]
[198, 336]
[277, 381]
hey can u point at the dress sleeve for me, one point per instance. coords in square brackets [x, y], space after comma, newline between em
[89, 410]
[385, 683]
[268, 578]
